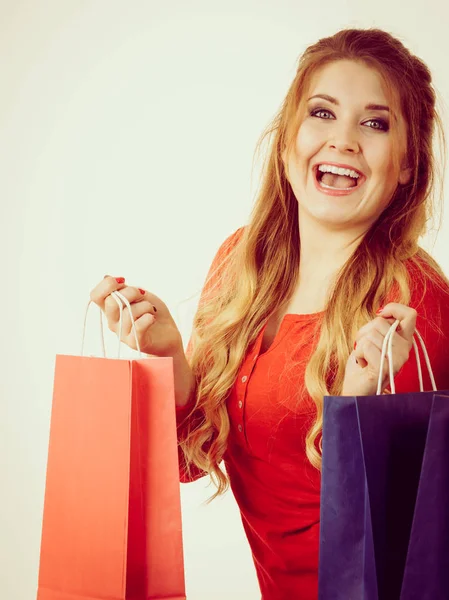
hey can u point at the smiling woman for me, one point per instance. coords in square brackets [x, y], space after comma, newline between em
[343, 120]
[288, 295]
[291, 310]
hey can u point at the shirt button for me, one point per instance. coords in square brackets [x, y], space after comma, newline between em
[240, 404]
[240, 428]
[244, 378]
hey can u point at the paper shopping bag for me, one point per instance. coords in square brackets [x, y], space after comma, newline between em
[426, 573]
[384, 497]
[112, 519]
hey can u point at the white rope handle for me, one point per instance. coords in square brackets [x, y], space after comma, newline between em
[120, 299]
[387, 350]
[427, 359]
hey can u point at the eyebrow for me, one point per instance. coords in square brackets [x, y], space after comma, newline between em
[335, 101]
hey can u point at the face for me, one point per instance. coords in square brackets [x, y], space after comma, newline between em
[348, 129]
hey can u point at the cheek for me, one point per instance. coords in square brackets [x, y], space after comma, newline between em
[379, 156]
[308, 141]
[386, 170]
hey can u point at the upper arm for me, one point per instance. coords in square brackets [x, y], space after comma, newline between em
[212, 282]
[432, 306]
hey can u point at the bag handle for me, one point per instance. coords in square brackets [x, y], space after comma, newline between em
[387, 350]
[117, 297]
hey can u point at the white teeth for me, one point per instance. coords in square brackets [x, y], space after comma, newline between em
[338, 171]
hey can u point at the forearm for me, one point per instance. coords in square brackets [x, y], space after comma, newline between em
[184, 379]
[184, 395]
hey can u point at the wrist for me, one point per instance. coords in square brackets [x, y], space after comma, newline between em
[184, 378]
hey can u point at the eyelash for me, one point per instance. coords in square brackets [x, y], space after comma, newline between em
[385, 125]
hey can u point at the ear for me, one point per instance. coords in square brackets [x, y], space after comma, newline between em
[405, 176]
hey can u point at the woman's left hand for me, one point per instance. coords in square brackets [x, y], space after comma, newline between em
[362, 368]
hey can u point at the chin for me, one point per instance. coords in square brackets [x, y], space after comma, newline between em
[335, 219]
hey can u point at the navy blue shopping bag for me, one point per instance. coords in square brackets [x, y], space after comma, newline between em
[384, 532]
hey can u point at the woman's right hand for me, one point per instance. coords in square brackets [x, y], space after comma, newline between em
[156, 330]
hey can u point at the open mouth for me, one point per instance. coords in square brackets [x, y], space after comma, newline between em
[337, 179]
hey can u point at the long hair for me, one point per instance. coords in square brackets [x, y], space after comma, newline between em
[261, 271]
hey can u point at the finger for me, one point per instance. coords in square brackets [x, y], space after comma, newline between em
[377, 330]
[142, 324]
[378, 323]
[134, 294]
[367, 355]
[148, 296]
[404, 314]
[112, 309]
[105, 288]
[138, 309]
[366, 352]
[374, 336]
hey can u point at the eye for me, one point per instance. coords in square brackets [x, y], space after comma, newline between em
[381, 125]
[377, 124]
[315, 113]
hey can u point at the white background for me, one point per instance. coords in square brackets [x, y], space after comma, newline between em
[127, 133]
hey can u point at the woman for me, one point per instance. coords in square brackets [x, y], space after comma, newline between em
[298, 302]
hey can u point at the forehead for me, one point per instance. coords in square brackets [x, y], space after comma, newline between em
[349, 82]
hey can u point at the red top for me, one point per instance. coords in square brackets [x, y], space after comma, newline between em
[276, 488]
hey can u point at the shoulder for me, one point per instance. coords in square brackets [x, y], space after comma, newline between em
[218, 268]
[429, 289]
[430, 298]
[226, 247]
[231, 242]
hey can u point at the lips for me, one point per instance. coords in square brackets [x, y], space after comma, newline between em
[319, 175]
[336, 191]
[360, 180]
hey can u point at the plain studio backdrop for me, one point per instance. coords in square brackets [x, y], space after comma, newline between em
[127, 133]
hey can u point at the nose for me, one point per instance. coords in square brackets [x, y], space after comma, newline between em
[344, 140]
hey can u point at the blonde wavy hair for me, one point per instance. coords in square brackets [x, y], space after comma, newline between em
[258, 275]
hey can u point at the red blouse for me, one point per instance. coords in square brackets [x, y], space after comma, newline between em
[276, 488]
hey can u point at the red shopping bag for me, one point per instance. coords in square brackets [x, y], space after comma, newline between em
[112, 517]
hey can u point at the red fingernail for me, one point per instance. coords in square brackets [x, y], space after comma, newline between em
[120, 279]
[141, 291]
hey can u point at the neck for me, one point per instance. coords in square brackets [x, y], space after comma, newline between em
[324, 251]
